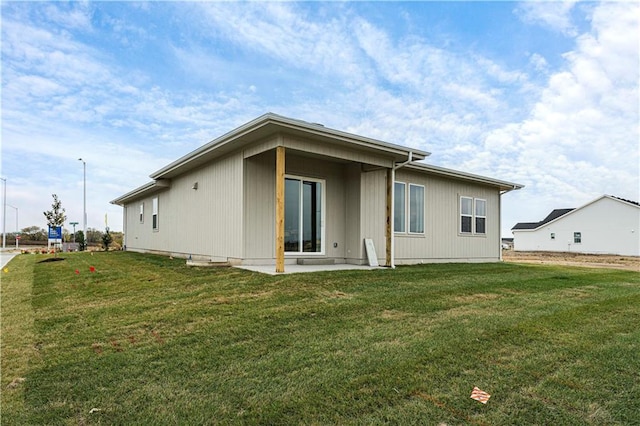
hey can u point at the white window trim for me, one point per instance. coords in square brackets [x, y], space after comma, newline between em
[141, 212]
[408, 210]
[461, 215]
[323, 242]
[155, 203]
[574, 237]
[404, 218]
[475, 216]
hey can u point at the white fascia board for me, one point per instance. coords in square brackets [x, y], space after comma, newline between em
[141, 191]
[441, 171]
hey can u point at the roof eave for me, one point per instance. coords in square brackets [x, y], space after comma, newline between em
[441, 171]
[141, 191]
[283, 124]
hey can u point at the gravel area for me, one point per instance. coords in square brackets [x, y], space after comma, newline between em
[631, 263]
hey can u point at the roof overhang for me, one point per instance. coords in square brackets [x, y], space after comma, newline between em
[273, 124]
[144, 190]
[502, 185]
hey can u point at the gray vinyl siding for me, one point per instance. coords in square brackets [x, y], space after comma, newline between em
[373, 214]
[335, 151]
[353, 240]
[442, 240]
[206, 222]
[260, 206]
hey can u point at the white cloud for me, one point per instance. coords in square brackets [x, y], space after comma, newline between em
[581, 137]
[539, 62]
[555, 15]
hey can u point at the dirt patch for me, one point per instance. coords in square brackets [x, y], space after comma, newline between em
[609, 261]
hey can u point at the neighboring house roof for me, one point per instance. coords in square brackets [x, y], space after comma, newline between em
[558, 213]
[551, 216]
[635, 203]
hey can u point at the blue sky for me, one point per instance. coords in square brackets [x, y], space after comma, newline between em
[540, 93]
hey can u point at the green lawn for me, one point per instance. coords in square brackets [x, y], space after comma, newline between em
[146, 340]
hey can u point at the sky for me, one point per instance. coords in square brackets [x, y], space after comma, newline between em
[544, 94]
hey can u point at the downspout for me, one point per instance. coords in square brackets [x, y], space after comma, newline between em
[500, 218]
[393, 210]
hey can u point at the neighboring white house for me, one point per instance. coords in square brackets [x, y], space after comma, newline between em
[277, 191]
[606, 225]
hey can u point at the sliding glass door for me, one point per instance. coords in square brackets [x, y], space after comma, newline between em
[303, 216]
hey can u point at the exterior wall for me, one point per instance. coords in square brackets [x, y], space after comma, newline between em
[205, 223]
[373, 215]
[335, 151]
[354, 247]
[442, 240]
[259, 199]
[607, 226]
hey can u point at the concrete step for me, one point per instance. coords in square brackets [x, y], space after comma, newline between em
[312, 261]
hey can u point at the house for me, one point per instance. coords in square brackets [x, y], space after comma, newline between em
[507, 243]
[279, 191]
[606, 225]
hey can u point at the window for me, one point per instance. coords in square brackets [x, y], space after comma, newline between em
[473, 216]
[577, 237]
[481, 216]
[141, 212]
[416, 209]
[553, 235]
[466, 214]
[399, 207]
[154, 217]
[303, 215]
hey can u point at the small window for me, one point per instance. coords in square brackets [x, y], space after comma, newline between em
[154, 217]
[481, 216]
[416, 209]
[466, 214]
[399, 207]
[141, 212]
[553, 235]
[577, 237]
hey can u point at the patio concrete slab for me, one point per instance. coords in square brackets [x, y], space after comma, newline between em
[299, 269]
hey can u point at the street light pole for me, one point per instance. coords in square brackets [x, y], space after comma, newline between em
[17, 229]
[4, 215]
[84, 198]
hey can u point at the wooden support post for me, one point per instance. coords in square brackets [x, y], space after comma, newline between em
[280, 158]
[389, 224]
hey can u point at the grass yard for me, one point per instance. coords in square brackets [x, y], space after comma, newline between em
[146, 340]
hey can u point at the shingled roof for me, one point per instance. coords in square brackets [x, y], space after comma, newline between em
[551, 216]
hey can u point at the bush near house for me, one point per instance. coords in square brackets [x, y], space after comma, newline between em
[146, 340]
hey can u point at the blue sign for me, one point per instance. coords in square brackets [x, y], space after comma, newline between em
[55, 232]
